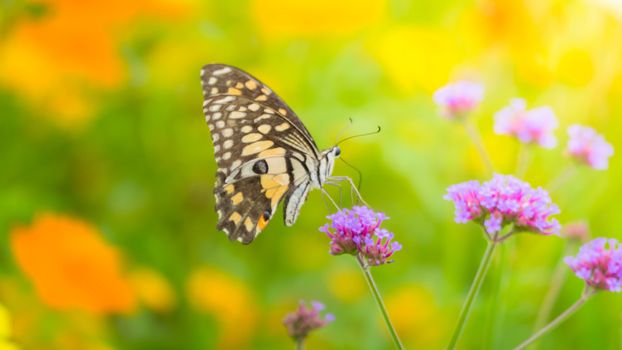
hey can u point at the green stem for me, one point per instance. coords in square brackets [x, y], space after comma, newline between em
[522, 162]
[473, 291]
[379, 302]
[587, 293]
[300, 343]
[477, 140]
[551, 296]
[561, 178]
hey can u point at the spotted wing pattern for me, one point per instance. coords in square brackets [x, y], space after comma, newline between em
[259, 146]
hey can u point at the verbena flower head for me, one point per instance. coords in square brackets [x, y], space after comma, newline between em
[502, 201]
[599, 263]
[588, 147]
[357, 231]
[577, 231]
[305, 319]
[529, 126]
[457, 99]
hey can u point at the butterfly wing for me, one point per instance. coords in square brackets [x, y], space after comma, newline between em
[260, 147]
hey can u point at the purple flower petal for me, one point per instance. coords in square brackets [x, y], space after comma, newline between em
[504, 200]
[599, 263]
[457, 99]
[529, 126]
[588, 147]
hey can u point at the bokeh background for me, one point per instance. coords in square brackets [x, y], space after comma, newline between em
[107, 228]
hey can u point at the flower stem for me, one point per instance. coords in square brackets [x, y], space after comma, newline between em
[477, 140]
[473, 291]
[551, 296]
[561, 178]
[587, 293]
[300, 343]
[522, 162]
[379, 301]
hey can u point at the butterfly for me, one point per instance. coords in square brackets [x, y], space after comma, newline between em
[264, 153]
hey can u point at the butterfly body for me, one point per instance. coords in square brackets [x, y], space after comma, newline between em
[264, 153]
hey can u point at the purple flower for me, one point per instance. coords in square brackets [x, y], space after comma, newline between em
[357, 231]
[305, 319]
[504, 200]
[578, 231]
[457, 99]
[599, 263]
[529, 126]
[588, 147]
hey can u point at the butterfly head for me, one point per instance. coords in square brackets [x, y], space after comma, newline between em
[327, 161]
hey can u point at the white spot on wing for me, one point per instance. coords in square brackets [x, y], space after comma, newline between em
[222, 71]
[264, 128]
[237, 115]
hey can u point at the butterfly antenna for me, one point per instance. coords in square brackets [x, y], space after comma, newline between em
[359, 135]
[340, 133]
[360, 174]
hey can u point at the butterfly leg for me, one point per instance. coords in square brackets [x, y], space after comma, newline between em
[330, 198]
[353, 187]
[339, 188]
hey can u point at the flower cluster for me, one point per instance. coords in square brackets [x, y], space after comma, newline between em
[504, 200]
[599, 263]
[457, 99]
[529, 126]
[577, 231]
[305, 319]
[588, 147]
[357, 231]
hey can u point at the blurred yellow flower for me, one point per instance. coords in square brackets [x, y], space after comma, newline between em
[575, 67]
[296, 18]
[152, 290]
[56, 59]
[400, 52]
[229, 300]
[5, 330]
[347, 285]
[5, 322]
[71, 266]
[416, 317]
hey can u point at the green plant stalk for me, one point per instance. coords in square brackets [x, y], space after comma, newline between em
[587, 293]
[300, 343]
[522, 162]
[500, 281]
[378, 298]
[473, 291]
[563, 176]
[559, 276]
[479, 144]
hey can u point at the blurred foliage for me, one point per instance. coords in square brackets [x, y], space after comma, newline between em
[102, 128]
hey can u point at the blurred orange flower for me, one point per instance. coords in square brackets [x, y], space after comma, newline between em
[71, 266]
[56, 59]
[229, 300]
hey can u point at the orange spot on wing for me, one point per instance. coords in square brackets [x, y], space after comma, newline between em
[262, 223]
